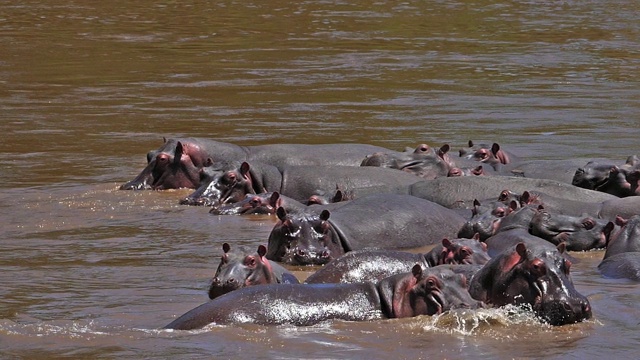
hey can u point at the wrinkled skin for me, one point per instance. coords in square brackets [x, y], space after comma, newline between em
[404, 295]
[383, 221]
[458, 252]
[236, 271]
[578, 233]
[533, 275]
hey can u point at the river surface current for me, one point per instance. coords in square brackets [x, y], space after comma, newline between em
[87, 88]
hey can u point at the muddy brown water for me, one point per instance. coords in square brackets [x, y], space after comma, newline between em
[87, 88]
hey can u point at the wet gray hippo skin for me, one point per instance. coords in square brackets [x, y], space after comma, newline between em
[237, 270]
[265, 203]
[625, 207]
[456, 192]
[374, 265]
[419, 292]
[622, 258]
[535, 275]
[493, 155]
[202, 152]
[383, 221]
[299, 182]
[485, 219]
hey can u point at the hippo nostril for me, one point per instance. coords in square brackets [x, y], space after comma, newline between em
[325, 254]
[231, 281]
[301, 252]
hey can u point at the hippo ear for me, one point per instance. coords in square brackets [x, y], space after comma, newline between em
[478, 170]
[608, 229]
[179, 151]
[273, 199]
[513, 205]
[470, 143]
[476, 236]
[620, 221]
[444, 149]
[281, 213]
[226, 247]
[339, 196]
[446, 243]
[164, 139]
[494, 149]
[562, 247]
[525, 198]
[262, 250]
[244, 168]
[513, 259]
[416, 270]
[324, 215]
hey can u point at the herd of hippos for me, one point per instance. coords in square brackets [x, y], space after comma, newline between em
[502, 228]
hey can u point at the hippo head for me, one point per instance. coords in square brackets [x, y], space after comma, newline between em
[534, 275]
[226, 183]
[265, 204]
[237, 270]
[592, 175]
[493, 155]
[425, 292]
[579, 233]
[303, 239]
[459, 252]
[176, 165]
[485, 219]
[425, 162]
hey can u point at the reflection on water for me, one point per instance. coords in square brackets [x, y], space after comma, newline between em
[88, 89]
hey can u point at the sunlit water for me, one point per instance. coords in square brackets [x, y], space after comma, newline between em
[86, 89]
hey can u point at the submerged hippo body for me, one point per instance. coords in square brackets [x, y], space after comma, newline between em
[202, 152]
[404, 295]
[529, 274]
[383, 221]
[237, 270]
[622, 258]
[299, 182]
[458, 192]
[374, 265]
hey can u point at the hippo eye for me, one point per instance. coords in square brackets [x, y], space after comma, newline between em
[465, 252]
[229, 177]
[250, 261]
[499, 212]
[588, 224]
[537, 268]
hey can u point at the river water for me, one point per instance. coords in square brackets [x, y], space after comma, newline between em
[87, 88]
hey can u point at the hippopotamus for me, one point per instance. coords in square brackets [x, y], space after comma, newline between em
[456, 192]
[381, 221]
[494, 155]
[622, 258]
[374, 265]
[299, 182]
[264, 203]
[579, 233]
[485, 219]
[419, 292]
[534, 275]
[236, 271]
[611, 178]
[196, 153]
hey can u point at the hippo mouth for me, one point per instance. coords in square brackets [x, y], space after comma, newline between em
[436, 302]
[557, 312]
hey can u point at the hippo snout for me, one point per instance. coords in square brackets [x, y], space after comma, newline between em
[562, 312]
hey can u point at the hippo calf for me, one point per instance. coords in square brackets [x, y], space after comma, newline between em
[411, 294]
